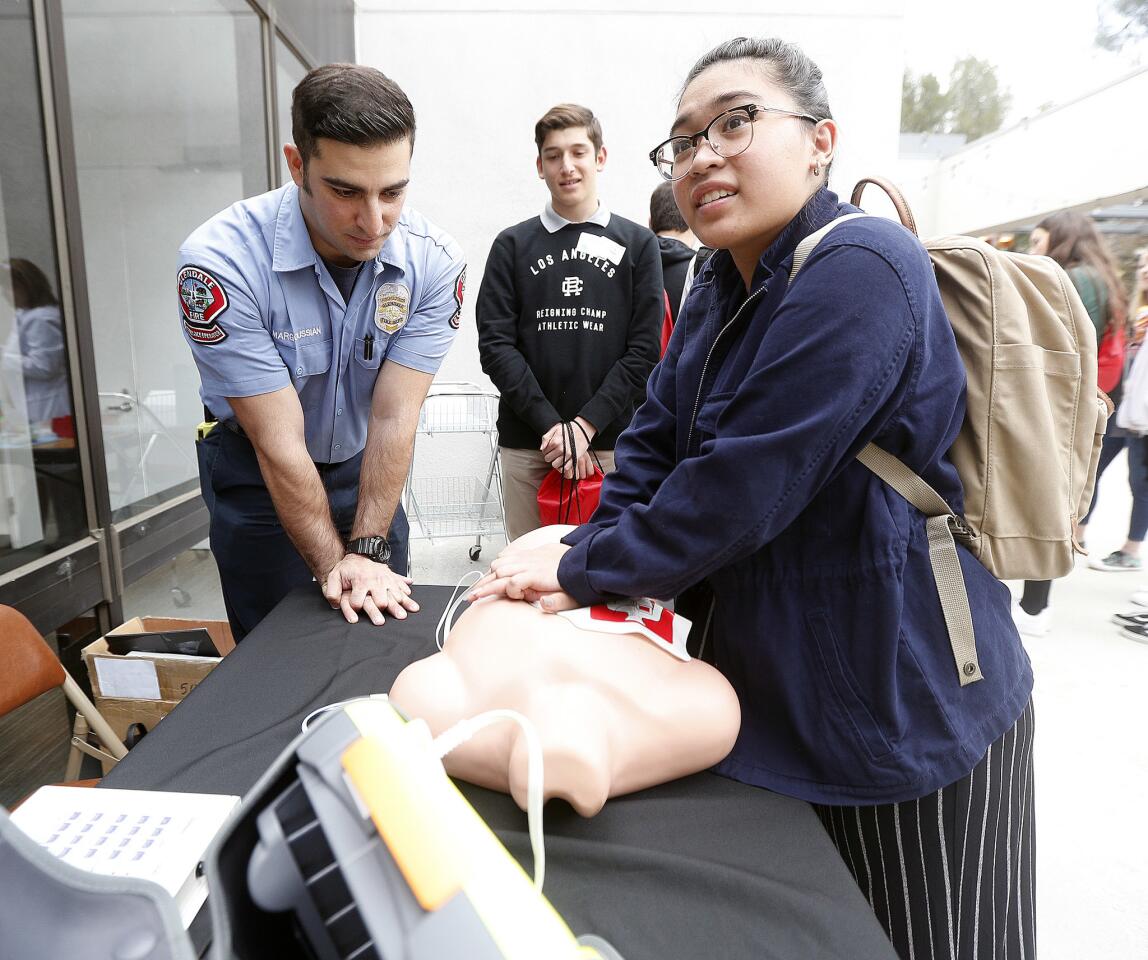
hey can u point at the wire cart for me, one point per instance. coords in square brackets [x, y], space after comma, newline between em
[469, 505]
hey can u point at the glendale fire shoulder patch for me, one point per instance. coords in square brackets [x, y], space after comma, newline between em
[459, 291]
[202, 299]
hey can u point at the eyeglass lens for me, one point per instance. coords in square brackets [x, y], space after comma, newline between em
[728, 135]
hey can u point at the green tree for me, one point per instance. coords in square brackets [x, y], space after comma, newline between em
[974, 104]
[977, 104]
[1121, 22]
[923, 105]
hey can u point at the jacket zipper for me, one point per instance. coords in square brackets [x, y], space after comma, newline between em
[709, 356]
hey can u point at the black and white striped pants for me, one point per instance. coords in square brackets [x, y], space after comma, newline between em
[951, 876]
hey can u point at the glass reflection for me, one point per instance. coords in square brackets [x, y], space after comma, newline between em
[163, 141]
[41, 495]
[289, 70]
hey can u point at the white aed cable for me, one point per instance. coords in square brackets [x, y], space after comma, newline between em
[462, 731]
[456, 600]
[320, 712]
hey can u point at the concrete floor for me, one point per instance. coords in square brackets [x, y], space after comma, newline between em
[1091, 743]
[1091, 755]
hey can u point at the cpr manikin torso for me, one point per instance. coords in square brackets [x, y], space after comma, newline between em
[614, 713]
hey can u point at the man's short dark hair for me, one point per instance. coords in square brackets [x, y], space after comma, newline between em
[664, 212]
[563, 117]
[351, 104]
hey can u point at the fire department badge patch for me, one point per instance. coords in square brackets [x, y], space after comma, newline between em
[392, 304]
[459, 290]
[202, 299]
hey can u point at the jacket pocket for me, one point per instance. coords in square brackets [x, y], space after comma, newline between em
[838, 674]
[710, 410]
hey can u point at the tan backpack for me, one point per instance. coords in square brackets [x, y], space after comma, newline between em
[1034, 419]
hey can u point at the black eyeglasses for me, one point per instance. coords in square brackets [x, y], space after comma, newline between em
[733, 135]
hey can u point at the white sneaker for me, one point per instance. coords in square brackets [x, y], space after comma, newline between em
[1140, 598]
[1035, 625]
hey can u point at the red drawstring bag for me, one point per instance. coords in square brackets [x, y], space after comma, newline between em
[566, 500]
[561, 500]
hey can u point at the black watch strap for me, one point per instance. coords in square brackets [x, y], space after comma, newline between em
[376, 548]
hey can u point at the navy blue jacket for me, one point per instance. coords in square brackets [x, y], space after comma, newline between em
[739, 469]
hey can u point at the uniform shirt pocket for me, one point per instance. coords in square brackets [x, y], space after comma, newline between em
[378, 349]
[312, 359]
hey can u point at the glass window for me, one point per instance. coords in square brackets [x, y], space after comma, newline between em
[168, 131]
[41, 492]
[326, 30]
[289, 70]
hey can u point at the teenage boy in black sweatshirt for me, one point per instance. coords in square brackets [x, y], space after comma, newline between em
[569, 313]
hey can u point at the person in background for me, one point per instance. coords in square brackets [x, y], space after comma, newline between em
[568, 313]
[35, 350]
[676, 243]
[1138, 312]
[1134, 623]
[740, 470]
[1072, 240]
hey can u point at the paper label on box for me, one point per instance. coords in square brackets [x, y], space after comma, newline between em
[128, 678]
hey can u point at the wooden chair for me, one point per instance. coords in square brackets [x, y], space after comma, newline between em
[30, 669]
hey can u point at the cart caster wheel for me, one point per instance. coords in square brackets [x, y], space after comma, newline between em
[180, 597]
[475, 552]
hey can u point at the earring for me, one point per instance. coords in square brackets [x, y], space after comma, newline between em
[816, 169]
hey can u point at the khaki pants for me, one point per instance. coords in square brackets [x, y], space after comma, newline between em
[522, 474]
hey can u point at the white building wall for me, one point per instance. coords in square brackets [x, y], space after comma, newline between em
[480, 77]
[1091, 148]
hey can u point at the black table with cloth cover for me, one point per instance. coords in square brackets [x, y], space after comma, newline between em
[701, 867]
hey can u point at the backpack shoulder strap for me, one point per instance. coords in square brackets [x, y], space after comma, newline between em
[944, 528]
[907, 483]
[941, 523]
[805, 248]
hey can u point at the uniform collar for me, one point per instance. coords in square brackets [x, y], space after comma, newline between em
[553, 222]
[293, 247]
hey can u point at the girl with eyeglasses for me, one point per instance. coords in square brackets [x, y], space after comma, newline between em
[738, 477]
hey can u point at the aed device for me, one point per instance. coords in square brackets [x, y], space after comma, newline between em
[356, 844]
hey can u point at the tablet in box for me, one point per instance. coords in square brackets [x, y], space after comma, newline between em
[191, 643]
[148, 676]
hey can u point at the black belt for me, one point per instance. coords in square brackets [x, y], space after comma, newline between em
[234, 427]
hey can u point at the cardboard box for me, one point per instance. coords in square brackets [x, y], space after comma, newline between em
[152, 676]
[146, 687]
[121, 714]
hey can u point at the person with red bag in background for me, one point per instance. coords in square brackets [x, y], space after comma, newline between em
[1072, 240]
[568, 313]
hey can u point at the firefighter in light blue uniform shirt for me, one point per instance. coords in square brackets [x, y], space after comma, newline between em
[307, 309]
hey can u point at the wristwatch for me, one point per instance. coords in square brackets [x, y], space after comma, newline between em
[375, 548]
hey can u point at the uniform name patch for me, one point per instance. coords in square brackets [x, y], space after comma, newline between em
[459, 292]
[392, 305]
[201, 299]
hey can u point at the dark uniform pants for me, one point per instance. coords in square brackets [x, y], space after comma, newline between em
[258, 564]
